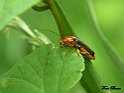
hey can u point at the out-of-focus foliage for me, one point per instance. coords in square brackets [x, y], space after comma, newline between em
[110, 17]
[9, 10]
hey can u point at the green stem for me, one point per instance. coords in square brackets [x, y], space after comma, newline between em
[40, 9]
[63, 25]
[90, 80]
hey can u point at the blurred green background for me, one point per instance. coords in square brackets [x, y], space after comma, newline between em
[109, 14]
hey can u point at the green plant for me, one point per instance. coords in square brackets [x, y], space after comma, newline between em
[47, 69]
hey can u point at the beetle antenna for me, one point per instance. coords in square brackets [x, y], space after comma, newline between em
[54, 33]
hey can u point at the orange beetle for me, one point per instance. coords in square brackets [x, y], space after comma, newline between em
[71, 41]
[68, 41]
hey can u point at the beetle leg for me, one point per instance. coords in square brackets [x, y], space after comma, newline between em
[68, 50]
[77, 52]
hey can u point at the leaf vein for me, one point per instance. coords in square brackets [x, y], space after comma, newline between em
[26, 82]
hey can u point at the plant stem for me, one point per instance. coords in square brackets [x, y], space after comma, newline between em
[63, 25]
[90, 80]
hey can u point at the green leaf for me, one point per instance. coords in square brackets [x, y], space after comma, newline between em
[46, 70]
[9, 9]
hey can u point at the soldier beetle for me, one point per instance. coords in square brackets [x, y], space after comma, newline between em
[72, 41]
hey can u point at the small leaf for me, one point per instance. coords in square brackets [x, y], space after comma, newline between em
[9, 9]
[47, 70]
[41, 6]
